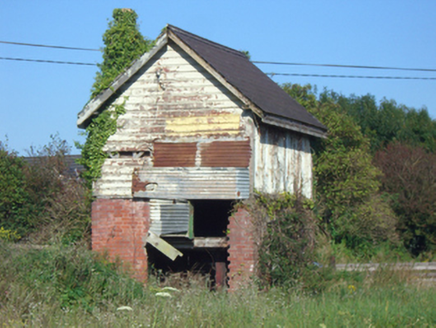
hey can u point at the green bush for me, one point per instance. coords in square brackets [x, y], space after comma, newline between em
[39, 200]
[14, 197]
[285, 231]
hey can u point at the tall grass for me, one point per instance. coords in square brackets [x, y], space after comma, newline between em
[69, 287]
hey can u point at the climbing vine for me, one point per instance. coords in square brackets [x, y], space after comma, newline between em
[123, 44]
[98, 132]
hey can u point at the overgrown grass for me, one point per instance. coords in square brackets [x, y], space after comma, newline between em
[69, 286]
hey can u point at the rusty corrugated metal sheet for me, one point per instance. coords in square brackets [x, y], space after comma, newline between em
[168, 217]
[195, 183]
[174, 154]
[225, 154]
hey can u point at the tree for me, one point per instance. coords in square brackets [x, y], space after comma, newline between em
[387, 121]
[410, 177]
[347, 182]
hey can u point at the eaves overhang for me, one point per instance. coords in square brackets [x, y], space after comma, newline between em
[294, 126]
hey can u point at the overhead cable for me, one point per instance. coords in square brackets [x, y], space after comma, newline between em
[48, 46]
[356, 76]
[255, 62]
[271, 74]
[349, 66]
[47, 61]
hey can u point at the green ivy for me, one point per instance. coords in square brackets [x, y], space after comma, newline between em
[123, 44]
[98, 132]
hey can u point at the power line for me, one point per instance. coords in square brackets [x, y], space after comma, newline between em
[271, 74]
[349, 66]
[48, 46]
[355, 76]
[47, 61]
[255, 62]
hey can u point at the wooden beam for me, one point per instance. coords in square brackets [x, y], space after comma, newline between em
[210, 242]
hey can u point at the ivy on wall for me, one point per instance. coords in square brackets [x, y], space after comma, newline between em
[123, 44]
[98, 132]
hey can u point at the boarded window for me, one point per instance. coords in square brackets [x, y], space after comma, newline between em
[174, 154]
[225, 154]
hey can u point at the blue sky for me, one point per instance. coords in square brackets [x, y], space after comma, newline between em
[40, 99]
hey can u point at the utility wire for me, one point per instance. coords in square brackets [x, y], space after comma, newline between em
[271, 74]
[47, 46]
[349, 66]
[255, 62]
[355, 76]
[47, 61]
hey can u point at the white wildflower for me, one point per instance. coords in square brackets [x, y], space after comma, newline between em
[124, 308]
[170, 289]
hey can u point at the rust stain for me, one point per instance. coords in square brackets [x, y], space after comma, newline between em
[225, 154]
[137, 184]
[174, 154]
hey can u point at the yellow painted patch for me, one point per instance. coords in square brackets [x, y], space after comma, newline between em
[186, 126]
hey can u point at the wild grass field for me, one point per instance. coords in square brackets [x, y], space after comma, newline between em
[60, 286]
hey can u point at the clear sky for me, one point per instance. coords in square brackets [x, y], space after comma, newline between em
[40, 99]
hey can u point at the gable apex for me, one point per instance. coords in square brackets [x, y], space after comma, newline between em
[234, 71]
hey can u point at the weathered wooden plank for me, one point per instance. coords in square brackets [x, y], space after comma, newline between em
[163, 246]
[211, 242]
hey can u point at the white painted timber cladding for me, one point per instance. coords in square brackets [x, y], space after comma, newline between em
[283, 161]
[183, 89]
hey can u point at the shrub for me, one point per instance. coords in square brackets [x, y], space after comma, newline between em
[39, 200]
[14, 198]
[60, 202]
[285, 231]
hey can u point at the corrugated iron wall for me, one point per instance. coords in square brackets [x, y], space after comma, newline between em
[194, 183]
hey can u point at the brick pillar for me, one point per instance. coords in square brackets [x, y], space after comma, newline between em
[242, 250]
[118, 228]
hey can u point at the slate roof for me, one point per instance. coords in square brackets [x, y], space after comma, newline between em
[276, 106]
[237, 69]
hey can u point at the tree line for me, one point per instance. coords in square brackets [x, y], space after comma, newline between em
[375, 172]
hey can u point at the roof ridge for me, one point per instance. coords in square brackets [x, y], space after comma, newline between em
[212, 43]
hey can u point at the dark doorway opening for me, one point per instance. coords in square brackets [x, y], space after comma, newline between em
[211, 217]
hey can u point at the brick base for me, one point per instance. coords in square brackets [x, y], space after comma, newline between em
[242, 250]
[118, 228]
